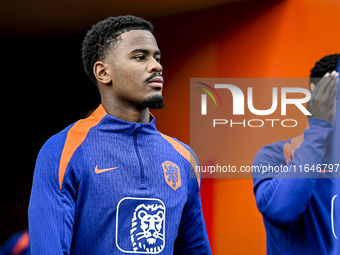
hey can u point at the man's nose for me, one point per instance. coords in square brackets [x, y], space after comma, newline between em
[155, 66]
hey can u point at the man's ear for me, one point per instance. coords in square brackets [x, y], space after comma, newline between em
[101, 72]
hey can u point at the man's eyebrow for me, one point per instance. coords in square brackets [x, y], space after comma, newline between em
[157, 52]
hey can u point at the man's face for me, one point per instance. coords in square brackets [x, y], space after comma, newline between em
[134, 66]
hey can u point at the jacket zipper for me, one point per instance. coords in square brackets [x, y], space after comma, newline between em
[142, 184]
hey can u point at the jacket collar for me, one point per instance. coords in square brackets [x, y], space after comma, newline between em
[109, 122]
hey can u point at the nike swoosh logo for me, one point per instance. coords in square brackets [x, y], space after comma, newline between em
[99, 171]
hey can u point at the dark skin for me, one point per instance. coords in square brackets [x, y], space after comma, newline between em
[323, 99]
[122, 76]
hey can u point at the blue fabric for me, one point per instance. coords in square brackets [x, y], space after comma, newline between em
[297, 211]
[130, 209]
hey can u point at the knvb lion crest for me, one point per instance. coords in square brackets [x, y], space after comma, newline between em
[147, 232]
[172, 174]
[142, 221]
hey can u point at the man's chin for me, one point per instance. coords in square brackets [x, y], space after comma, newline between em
[154, 102]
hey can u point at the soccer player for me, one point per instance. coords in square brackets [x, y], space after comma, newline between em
[298, 212]
[112, 183]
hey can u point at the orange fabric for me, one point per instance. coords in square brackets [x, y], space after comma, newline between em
[289, 148]
[185, 153]
[22, 244]
[76, 136]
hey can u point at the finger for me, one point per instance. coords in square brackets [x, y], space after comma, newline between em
[332, 85]
[321, 83]
[312, 86]
[327, 81]
[333, 92]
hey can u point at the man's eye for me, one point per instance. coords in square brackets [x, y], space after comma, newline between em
[158, 60]
[140, 58]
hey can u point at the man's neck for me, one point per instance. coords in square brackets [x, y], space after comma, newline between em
[126, 113]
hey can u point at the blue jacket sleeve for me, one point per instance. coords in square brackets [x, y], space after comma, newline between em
[282, 200]
[51, 210]
[192, 234]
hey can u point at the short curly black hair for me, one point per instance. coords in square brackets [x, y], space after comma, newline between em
[103, 35]
[328, 63]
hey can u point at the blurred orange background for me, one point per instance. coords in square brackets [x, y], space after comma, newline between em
[253, 39]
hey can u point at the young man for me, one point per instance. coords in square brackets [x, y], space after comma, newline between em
[111, 183]
[298, 211]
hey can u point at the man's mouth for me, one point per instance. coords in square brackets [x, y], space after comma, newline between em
[156, 82]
